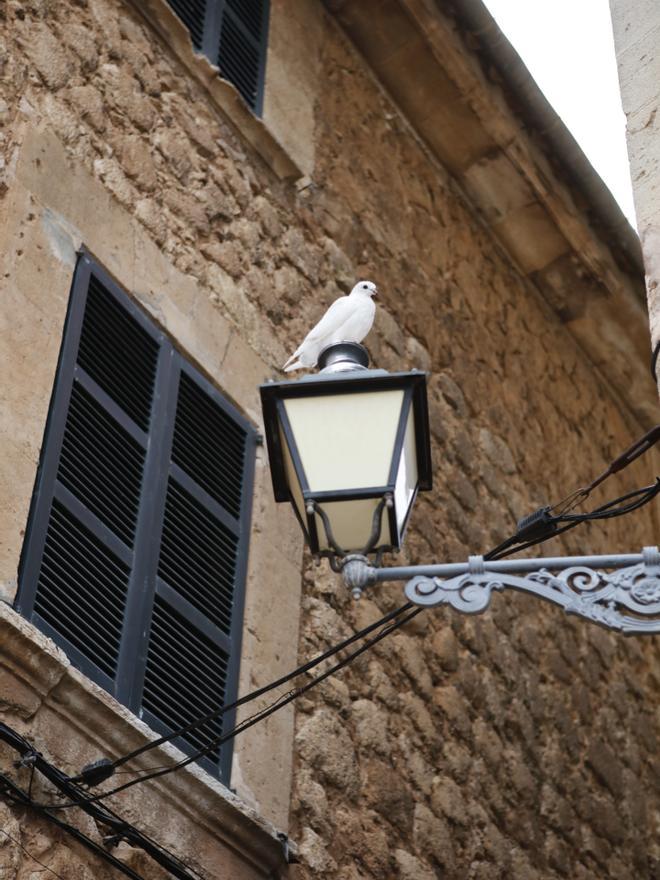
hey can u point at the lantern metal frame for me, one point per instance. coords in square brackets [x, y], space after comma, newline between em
[273, 395]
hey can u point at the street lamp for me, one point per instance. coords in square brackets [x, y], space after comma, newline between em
[350, 449]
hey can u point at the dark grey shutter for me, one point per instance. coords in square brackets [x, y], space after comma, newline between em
[234, 35]
[192, 13]
[135, 555]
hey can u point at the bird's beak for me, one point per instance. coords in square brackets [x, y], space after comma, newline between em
[375, 293]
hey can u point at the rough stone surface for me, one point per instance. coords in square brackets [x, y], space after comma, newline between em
[518, 745]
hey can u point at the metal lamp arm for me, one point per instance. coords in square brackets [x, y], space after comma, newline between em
[578, 584]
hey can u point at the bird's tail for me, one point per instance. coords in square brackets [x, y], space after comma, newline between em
[288, 366]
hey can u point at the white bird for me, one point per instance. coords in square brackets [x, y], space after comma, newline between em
[348, 319]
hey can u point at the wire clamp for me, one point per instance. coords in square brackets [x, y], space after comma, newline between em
[28, 760]
[95, 773]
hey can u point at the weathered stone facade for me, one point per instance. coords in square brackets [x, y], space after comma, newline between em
[521, 744]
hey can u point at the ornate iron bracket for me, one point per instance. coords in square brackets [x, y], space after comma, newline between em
[578, 584]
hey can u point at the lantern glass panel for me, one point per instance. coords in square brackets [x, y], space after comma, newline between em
[345, 441]
[292, 478]
[406, 478]
[350, 522]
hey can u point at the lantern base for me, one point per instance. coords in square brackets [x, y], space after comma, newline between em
[343, 357]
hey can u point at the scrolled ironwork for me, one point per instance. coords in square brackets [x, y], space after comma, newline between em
[599, 596]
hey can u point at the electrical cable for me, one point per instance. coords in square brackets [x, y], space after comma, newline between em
[388, 624]
[538, 527]
[279, 703]
[101, 770]
[16, 795]
[639, 447]
[121, 830]
[551, 528]
[547, 526]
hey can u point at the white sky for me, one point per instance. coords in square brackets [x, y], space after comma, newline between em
[568, 48]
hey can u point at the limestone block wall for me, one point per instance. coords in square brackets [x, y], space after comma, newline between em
[521, 744]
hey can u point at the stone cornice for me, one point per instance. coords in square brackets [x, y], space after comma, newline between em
[470, 122]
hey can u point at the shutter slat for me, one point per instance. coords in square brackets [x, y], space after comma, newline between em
[132, 400]
[191, 13]
[198, 452]
[195, 548]
[114, 433]
[205, 559]
[160, 704]
[59, 563]
[104, 568]
[105, 476]
[195, 640]
[200, 407]
[203, 597]
[166, 681]
[193, 512]
[208, 447]
[66, 582]
[172, 670]
[59, 597]
[240, 46]
[250, 13]
[118, 354]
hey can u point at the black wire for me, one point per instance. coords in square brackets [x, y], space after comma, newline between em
[646, 494]
[503, 550]
[30, 856]
[17, 796]
[506, 548]
[502, 554]
[391, 621]
[104, 815]
[513, 545]
[253, 695]
[279, 703]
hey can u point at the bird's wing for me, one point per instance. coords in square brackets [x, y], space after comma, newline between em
[339, 312]
[357, 324]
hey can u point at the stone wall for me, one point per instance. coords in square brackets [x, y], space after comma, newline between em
[521, 744]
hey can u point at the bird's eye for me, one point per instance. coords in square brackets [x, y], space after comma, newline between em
[365, 286]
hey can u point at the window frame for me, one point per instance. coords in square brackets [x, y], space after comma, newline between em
[211, 33]
[144, 581]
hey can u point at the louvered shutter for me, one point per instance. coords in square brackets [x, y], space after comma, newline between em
[192, 13]
[234, 35]
[135, 555]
